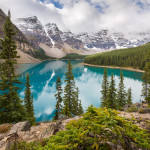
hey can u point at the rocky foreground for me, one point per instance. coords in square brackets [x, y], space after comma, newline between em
[23, 131]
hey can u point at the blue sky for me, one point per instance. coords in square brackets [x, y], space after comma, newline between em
[85, 15]
[56, 4]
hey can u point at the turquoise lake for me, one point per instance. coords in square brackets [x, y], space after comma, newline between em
[88, 80]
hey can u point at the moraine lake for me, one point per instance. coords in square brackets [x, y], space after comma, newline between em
[88, 79]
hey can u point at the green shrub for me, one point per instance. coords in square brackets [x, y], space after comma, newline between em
[144, 110]
[99, 129]
[23, 145]
[133, 108]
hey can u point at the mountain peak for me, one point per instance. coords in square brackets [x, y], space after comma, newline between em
[51, 25]
[101, 40]
[52, 28]
[31, 20]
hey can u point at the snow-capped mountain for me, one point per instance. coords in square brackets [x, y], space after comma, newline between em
[52, 37]
[106, 40]
[100, 40]
[130, 39]
[33, 30]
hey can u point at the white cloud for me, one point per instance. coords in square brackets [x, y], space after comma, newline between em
[23, 8]
[86, 15]
[81, 17]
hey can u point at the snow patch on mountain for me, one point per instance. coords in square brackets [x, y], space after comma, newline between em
[100, 41]
[53, 43]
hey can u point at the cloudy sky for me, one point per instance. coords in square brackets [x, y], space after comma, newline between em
[85, 15]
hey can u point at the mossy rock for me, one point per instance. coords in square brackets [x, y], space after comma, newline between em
[144, 110]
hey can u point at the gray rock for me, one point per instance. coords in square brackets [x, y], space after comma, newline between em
[58, 122]
[20, 126]
[7, 141]
[49, 131]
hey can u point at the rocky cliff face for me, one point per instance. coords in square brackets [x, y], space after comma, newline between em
[48, 34]
[23, 45]
[53, 37]
[53, 33]
[129, 40]
[99, 40]
[106, 40]
[33, 30]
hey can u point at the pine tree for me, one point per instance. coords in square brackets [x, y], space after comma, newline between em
[11, 106]
[111, 100]
[1, 68]
[129, 97]
[58, 98]
[105, 86]
[146, 82]
[77, 106]
[121, 95]
[28, 101]
[148, 97]
[80, 108]
[75, 102]
[69, 90]
[66, 110]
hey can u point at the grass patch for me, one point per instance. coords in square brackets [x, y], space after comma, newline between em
[4, 128]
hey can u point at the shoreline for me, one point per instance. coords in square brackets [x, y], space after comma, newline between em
[111, 67]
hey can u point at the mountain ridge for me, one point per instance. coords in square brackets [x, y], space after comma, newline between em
[83, 43]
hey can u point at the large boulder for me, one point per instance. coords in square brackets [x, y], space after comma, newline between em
[24, 131]
[49, 131]
[20, 126]
[57, 126]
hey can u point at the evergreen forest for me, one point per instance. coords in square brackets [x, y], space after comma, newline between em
[132, 57]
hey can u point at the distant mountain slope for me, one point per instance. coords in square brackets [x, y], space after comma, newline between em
[25, 58]
[49, 37]
[132, 57]
[52, 38]
[20, 38]
[25, 49]
[109, 40]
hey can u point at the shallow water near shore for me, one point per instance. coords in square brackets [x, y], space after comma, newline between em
[88, 79]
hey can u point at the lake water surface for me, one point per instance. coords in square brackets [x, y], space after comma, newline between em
[88, 79]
